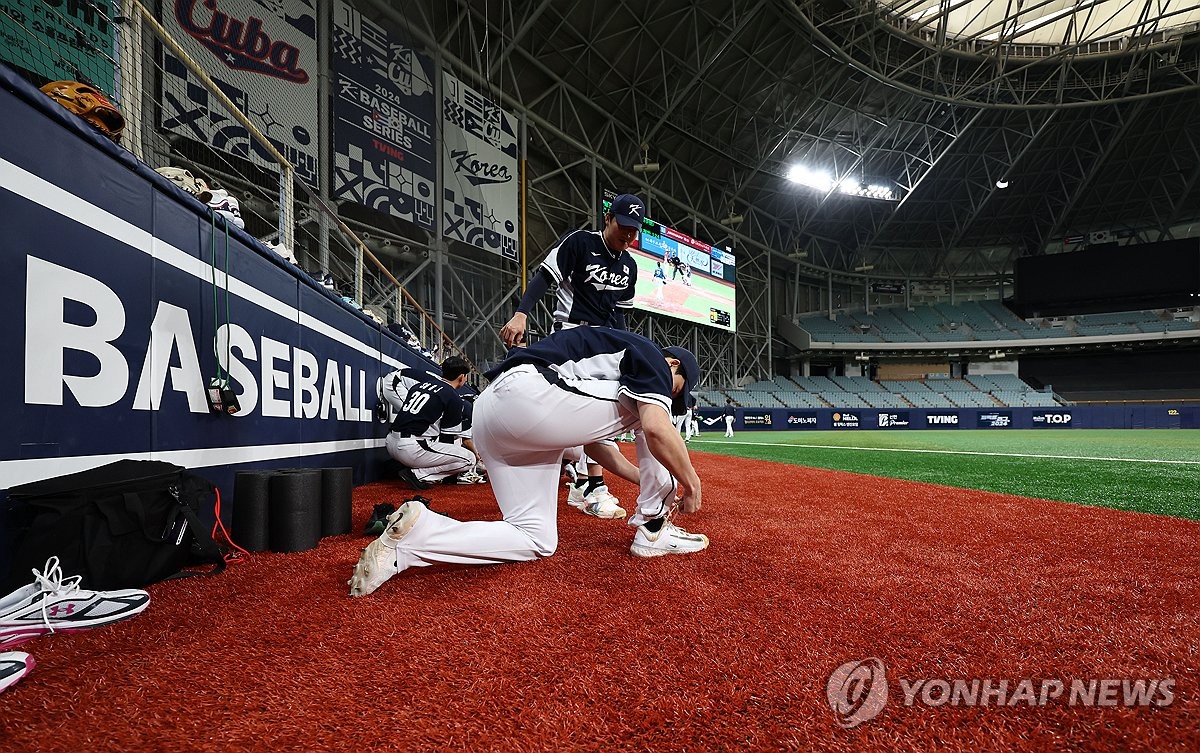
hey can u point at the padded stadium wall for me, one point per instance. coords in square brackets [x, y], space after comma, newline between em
[112, 307]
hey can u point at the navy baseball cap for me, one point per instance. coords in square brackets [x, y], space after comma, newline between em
[628, 210]
[691, 376]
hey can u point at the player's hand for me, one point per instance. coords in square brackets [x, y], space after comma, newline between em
[690, 501]
[513, 333]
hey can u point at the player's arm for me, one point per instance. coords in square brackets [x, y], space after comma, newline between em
[513, 332]
[611, 459]
[666, 445]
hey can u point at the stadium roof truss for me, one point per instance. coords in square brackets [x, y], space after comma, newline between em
[1085, 111]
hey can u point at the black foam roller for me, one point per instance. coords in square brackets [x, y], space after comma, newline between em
[337, 488]
[251, 501]
[295, 515]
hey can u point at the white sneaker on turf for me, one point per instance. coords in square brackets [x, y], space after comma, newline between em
[670, 539]
[54, 604]
[575, 497]
[13, 666]
[570, 472]
[602, 504]
[378, 561]
[470, 477]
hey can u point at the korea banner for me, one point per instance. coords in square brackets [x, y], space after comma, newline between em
[263, 55]
[479, 158]
[384, 113]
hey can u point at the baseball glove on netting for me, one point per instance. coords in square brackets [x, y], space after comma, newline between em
[90, 104]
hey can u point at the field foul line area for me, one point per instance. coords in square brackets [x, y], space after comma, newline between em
[946, 452]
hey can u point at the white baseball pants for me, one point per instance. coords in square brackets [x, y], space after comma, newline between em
[522, 424]
[429, 459]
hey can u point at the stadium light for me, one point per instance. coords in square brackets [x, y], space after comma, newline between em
[823, 181]
[732, 220]
[646, 166]
[997, 354]
[1002, 183]
[864, 268]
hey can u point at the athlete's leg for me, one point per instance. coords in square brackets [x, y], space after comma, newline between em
[429, 459]
[521, 425]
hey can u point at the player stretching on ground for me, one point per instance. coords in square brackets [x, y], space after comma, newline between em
[595, 276]
[578, 386]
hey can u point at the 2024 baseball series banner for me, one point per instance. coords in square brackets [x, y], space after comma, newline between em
[384, 121]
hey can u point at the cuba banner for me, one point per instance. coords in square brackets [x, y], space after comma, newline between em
[384, 121]
[479, 158]
[264, 57]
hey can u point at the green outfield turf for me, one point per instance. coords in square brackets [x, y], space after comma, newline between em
[1156, 471]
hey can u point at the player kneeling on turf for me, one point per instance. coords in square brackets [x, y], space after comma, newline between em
[575, 387]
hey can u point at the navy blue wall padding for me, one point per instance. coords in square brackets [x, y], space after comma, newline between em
[112, 328]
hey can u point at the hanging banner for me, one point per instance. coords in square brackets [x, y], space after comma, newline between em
[384, 114]
[70, 41]
[263, 55]
[479, 169]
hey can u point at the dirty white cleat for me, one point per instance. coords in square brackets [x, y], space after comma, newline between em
[378, 560]
[601, 503]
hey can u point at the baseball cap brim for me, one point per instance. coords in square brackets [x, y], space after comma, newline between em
[625, 220]
[691, 377]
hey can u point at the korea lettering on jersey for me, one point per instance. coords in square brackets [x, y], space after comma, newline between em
[430, 409]
[600, 354]
[592, 281]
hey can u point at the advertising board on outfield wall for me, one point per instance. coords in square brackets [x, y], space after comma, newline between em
[1136, 416]
[801, 419]
[897, 420]
[1051, 418]
[994, 419]
[756, 418]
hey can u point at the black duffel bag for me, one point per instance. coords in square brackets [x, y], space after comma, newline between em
[122, 525]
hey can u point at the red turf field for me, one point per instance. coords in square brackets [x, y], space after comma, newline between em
[593, 649]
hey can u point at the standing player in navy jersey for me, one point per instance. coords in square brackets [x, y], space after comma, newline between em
[430, 409]
[578, 386]
[595, 276]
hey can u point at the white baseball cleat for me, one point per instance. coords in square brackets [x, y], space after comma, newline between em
[575, 497]
[602, 504]
[669, 539]
[13, 666]
[378, 561]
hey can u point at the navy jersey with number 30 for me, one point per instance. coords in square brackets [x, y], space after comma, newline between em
[430, 409]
